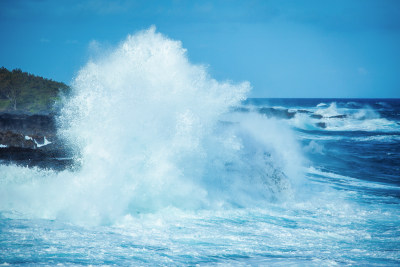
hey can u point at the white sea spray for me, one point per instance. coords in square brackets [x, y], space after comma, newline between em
[152, 130]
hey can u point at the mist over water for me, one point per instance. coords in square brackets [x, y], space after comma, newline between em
[150, 130]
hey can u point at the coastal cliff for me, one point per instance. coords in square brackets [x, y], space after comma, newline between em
[28, 107]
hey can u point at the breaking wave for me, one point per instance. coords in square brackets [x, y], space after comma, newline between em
[151, 130]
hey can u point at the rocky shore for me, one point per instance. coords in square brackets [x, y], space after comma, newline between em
[31, 140]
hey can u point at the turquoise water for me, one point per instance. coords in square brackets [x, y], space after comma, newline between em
[175, 168]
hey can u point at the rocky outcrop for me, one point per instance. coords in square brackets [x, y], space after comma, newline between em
[39, 125]
[338, 117]
[31, 140]
[26, 131]
[49, 157]
[11, 139]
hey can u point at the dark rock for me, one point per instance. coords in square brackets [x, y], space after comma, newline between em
[14, 128]
[42, 125]
[11, 139]
[338, 117]
[304, 111]
[38, 139]
[55, 159]
[316, 116]
[22, 135]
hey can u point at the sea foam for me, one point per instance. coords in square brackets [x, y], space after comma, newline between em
[151, 130]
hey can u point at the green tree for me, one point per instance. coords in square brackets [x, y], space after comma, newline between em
[28, 93]
[14, 89]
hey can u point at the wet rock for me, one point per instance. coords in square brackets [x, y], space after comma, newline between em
[53, 158]
[41, 125]
[26, 131]
[24, 140]
[338, 117]
[12, 139]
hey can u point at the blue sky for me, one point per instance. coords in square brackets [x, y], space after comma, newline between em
[331, 48]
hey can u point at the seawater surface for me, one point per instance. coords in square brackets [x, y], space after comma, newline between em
[175, 168]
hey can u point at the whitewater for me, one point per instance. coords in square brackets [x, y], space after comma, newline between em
[172, 167]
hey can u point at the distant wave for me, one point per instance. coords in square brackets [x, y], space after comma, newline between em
[360, 117]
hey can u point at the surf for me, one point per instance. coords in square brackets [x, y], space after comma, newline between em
[150, 130]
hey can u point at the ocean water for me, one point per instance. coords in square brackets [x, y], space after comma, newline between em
[175, 168]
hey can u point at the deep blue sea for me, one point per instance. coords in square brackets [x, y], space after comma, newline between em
[173, 168]
[344, 210]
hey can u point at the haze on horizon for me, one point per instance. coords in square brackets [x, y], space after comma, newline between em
[284, 48]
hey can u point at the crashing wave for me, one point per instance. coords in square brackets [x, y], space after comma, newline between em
[146, 127]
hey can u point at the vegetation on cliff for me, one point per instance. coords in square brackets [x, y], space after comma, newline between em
[27, 93]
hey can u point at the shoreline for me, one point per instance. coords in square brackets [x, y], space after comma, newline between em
[31, 140]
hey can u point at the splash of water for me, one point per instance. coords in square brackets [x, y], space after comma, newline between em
[151, 131]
